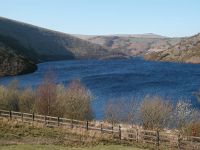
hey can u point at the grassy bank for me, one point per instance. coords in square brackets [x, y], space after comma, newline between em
[17, 136]
[53, 147]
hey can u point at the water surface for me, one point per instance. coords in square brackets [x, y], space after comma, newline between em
[121, 78]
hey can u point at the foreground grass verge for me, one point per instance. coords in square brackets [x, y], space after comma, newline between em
[53, 147]
[18, 136]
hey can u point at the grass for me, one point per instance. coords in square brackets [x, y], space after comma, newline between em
[53, 147]
[17, 136]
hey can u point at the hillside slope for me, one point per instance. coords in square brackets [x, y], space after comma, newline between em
[132, 45]
[49, 45]
[11, 62]
[187, 50]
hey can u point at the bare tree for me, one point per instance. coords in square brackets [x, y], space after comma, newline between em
[112, 111]
[9, 98]
[78, 101]
[73, 101]
[46, 95]
[3, 97]
[120, 110]
[60, 102]
[27, 100]
[132, 108]
[183, 114]
[155, 113]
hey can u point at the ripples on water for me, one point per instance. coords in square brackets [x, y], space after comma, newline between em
[121, 78]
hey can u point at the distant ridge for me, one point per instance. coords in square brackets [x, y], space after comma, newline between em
[187, 50]
[132, 44]
[22, 46]
[147, 35]
[49, 45]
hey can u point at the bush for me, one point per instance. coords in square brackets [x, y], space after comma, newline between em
[192, 129]
[183, 114]
[192, 126]
[10, 96]
[77, 102]
[121, 110]
[3, 93]
[46, 96]
[155, 113]
[113, 111]
[27, 100]
[73, 101]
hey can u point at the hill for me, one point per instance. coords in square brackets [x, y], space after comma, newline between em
[132, 45]
[49, 45]
[187, 51]
[11, 61]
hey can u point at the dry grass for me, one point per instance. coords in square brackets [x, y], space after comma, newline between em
[17, 135]
[53, 147]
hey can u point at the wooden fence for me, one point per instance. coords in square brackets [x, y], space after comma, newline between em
[127, 134]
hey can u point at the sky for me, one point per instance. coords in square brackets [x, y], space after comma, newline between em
[173, 18]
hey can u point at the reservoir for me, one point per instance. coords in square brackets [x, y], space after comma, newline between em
[123, 78]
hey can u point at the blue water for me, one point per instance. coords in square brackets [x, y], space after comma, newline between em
[121, 78]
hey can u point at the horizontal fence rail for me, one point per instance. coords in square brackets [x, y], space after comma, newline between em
[127, 134]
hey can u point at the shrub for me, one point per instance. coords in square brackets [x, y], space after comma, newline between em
[121, 110]
[191, 126]
[3, 97]
[10, 96]
[27, 100]
[77, 101]
[73, 101]
[113, 111]
[132, 108]
[155, 113]
[46, 96]
[183, 114]
[193, 129]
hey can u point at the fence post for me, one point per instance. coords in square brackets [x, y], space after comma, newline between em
[45, 120]
[112, 127]
[58, 121]
[157, 138]
[33, 117]
[137, 135]
[87, 125]
[10, 114]
[101, 128]
[179, 141]
[120, 133]
[72, 123]
[22, 115]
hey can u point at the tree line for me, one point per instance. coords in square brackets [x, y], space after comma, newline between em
[48, 98]
[155, 113]
[74, 102]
